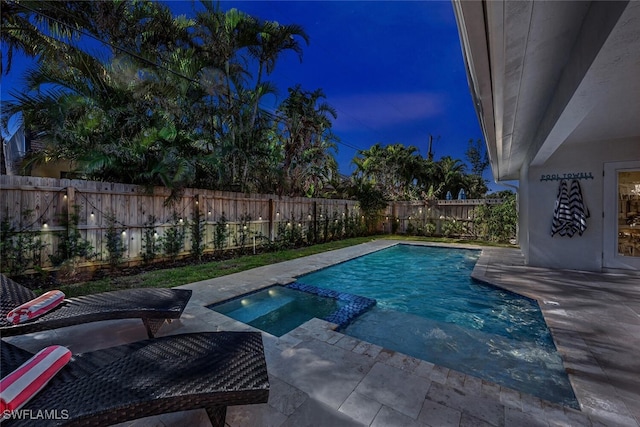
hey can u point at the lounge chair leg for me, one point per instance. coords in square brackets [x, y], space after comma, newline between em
[152, 326]
[217, 415]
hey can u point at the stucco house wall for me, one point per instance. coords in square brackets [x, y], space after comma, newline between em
[578, 252]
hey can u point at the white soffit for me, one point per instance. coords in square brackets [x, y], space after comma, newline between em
[604, 103]
[611, 89]
[559, 71]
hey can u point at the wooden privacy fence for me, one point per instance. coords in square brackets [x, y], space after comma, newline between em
[413, 217]
[43, 207]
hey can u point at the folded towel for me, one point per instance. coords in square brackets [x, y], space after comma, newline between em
[36, 307]
[21, 385]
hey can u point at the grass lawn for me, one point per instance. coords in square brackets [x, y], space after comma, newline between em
[182, 275]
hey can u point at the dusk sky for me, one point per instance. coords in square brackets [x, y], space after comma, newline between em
[393, 70]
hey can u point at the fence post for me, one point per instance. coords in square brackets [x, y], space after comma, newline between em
[271, 220]
[315, 221]
[71, 202]
[394, 220]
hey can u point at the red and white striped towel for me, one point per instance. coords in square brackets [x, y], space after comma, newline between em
[21, 385]
[36, 307]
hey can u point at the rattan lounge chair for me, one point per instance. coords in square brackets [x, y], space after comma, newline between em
[210, 370]
[152, 305]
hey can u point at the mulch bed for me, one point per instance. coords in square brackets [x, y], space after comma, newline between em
[51, 280]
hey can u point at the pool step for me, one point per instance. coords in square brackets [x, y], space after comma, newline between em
[350, 308]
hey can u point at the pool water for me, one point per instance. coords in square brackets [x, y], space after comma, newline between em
[429, 307]
[277, 310]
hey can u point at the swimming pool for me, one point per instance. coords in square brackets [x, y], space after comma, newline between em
[429, 307]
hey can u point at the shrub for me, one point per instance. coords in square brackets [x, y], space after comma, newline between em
[71, 245]
[452, 228]
[114, 241]
[497, 223]
[19, 249]
[242, 236]
[197, 234]
[220, 233]
[150, 242]
[173, 239]
[430, 228]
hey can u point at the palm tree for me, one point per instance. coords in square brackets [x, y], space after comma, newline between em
[450, 172]
[21, 28]
[307, 141]
[166, 100]
[394, 169]
[120, 120]
[272, 39]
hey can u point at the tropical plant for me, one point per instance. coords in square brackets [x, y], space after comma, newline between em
[450, 173]
[478, 158]
[393, 169]
[497, 222]
[165, 100]
[372, 202]
[307, 142]
[22, 24]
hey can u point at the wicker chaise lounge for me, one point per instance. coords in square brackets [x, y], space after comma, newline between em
[153, 306]
[175, 373]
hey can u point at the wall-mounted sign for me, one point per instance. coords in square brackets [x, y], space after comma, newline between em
[561, 176]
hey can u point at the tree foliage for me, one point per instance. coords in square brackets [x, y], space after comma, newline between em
[166, 100]
[401, 173]
[175, 101]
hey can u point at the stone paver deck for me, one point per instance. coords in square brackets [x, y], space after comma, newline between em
[320, 377]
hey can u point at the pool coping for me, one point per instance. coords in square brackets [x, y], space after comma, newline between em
[500, 267]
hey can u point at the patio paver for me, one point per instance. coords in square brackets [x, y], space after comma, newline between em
[319, 377]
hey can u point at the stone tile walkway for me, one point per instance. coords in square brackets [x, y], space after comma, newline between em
[320, 377]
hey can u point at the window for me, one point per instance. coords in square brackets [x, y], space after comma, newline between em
[629, 213]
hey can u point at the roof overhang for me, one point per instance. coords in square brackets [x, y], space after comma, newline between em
[547, 73]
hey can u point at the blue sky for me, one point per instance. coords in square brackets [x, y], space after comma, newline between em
[393, 70]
